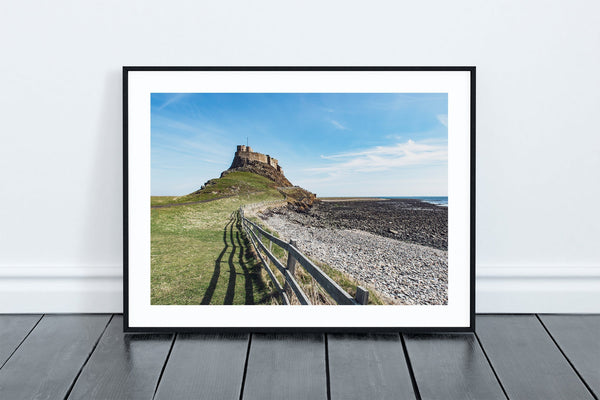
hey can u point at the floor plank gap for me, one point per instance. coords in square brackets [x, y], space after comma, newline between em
[327, 375]
[286, 366]
[205, 367]
[162, 371]
[410, 368]
[491, 365]
[49, 362]
[526, 360]
[566, 357]
[87, 359]
[246, 366]
[20, 343]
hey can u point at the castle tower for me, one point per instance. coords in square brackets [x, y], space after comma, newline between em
[247, 160]
[245, 155]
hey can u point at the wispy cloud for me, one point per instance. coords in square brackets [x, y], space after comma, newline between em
[196, 147]
[173, 99]
[381, 158]
[338, 125]
[443, 118]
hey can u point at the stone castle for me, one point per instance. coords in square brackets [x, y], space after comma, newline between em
[264, 165]
[244, 155]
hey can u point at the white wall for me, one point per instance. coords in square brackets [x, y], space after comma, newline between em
[538, 144]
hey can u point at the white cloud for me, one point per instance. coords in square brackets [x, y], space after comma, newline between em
[443, 118]
[173, 99]
[381, 158]
[337, 125]
[407, 168]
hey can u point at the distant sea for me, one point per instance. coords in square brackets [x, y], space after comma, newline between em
[438, 200]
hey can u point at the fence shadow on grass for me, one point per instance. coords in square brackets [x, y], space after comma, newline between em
[210, 291]
[252, 273]
[253, 281]
[232, 272]
[248, 278]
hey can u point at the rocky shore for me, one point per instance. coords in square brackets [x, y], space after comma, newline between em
[408, 220]
[397, 247]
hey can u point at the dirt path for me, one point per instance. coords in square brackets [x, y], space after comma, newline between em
[199, 201]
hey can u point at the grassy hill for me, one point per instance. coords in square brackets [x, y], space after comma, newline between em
[232, 184]
[199, 252]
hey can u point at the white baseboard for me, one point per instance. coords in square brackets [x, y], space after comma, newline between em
[524, 290]
[50, 289]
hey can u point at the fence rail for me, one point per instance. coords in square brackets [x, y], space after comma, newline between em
[289, 278]
[334, 290]
[284, 298]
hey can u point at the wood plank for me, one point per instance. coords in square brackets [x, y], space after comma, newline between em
[47, 363]
[289, 278]
[123, 366]
[13, 329]
[204, 366]
[451, 366]
[368, 366]
[526, 360]
[286, 366]
[579, 338]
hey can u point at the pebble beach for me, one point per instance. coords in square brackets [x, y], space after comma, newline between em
[397, 247]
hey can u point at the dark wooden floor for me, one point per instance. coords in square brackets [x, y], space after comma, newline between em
[510, 356]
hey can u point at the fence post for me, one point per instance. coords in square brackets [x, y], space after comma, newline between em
[291, 261]
[291, 264]
[362, 295]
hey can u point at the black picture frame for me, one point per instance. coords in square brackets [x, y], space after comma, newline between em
[129, 276]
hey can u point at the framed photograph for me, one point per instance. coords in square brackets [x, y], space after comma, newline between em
[299, 198]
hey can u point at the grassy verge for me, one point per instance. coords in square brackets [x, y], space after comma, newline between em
[200, 255]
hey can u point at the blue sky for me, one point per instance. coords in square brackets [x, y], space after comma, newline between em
[333, 144]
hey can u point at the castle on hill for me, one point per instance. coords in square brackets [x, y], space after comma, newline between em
[244, 155]
[264, 165]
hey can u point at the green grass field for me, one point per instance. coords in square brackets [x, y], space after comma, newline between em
[199, 252]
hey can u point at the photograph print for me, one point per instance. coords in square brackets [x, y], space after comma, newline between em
[302, 208]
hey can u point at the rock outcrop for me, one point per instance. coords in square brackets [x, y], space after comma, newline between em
[261, 164]
[246, 160]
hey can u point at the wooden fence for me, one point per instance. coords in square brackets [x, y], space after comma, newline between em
[255, 233]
